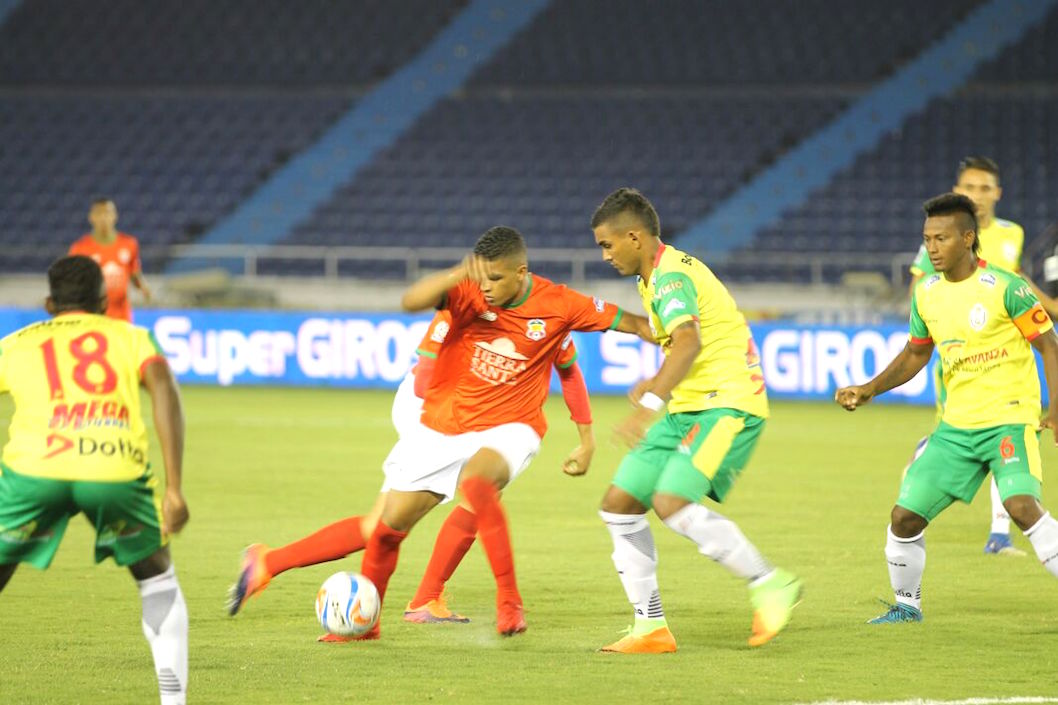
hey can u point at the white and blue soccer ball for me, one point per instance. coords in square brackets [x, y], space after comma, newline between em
[347, 604]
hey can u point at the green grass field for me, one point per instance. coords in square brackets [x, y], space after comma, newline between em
[271, 465]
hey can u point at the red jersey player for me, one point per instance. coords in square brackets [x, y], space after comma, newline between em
[482, 418]
[337, 540]
[117, 254]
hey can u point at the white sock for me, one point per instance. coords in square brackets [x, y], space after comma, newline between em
[636, 561]
[1000, 518]
[165, 626]
[1044, 537]
[720, 539]
[907, 561]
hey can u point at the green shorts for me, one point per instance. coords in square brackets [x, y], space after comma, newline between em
[691, 455]
[34, 512]
[951, 463]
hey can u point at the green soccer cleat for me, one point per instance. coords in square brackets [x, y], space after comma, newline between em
[773, 602]
[897, 613]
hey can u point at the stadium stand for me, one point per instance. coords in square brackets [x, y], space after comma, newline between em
[1005, 113]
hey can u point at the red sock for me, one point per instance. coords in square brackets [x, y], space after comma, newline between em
[330, 543]
[492, 530]
[380, 557]
[453, 541]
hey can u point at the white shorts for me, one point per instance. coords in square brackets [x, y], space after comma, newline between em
[406, 413]
[426, 460]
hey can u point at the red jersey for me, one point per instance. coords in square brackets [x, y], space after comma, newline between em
[119, 261]
[495, 367]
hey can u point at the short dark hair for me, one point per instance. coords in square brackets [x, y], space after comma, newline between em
[979, 163]
[952, 204]
[500, 241]
[75, 283]
[628, 200]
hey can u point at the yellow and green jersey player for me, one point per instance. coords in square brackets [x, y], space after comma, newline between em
[1000, 245]
[716, 409]
[984, 322]
[78, 444]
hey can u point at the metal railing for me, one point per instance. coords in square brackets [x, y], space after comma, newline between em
[415, 260]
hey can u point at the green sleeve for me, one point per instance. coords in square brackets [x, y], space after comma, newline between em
[1018, 297]
[922, 265]
[675, 300]
[917, 326]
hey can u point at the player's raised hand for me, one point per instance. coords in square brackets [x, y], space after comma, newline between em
[174, 512]
[578, 460]
[852, 397]
[1050, 421]
[474, 266]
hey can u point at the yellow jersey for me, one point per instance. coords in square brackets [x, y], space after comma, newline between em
[75, 380]
[982, 327]
[726, 373]
[1001, 245]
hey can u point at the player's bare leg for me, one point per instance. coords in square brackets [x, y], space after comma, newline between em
[1039, 526]
[905, 552]
[483, 476]
[636, 561]
[6, 571]
[998, 542]
[164, 623]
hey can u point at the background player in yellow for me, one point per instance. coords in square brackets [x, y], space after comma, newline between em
[1001, 243]
[77, 443]
[717, 406]
[982, 320]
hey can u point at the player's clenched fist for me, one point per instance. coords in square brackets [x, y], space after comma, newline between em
[852, 397]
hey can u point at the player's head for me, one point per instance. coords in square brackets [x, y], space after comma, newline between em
[506, 262]
[624, 224]
[75, 283]
[103, 215]
[950, 231]
[978, 180]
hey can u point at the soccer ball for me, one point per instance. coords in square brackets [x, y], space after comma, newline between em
[347, 604]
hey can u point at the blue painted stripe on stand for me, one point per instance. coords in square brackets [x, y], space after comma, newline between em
[789, 182]
[374, 123]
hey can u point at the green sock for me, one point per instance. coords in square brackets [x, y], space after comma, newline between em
[645, 626]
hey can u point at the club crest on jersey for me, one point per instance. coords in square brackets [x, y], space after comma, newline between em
[489, 316]
[536, 329]
[440, 332]
[497, 362]
[988, 279]
[978, 317]
[124, 255]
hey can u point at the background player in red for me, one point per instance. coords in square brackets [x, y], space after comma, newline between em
[116, 253]
[483, 417]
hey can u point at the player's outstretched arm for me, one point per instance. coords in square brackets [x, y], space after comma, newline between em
[429, 292]
[906, 365]
[141, 284]
[169, 423]
[1047, 346]
[637, 325]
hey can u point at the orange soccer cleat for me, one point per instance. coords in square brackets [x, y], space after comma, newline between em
[510, 619]
[433, 612]
[253, 577]
[659, 641]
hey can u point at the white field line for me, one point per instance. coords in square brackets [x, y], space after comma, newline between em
[968, 701]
